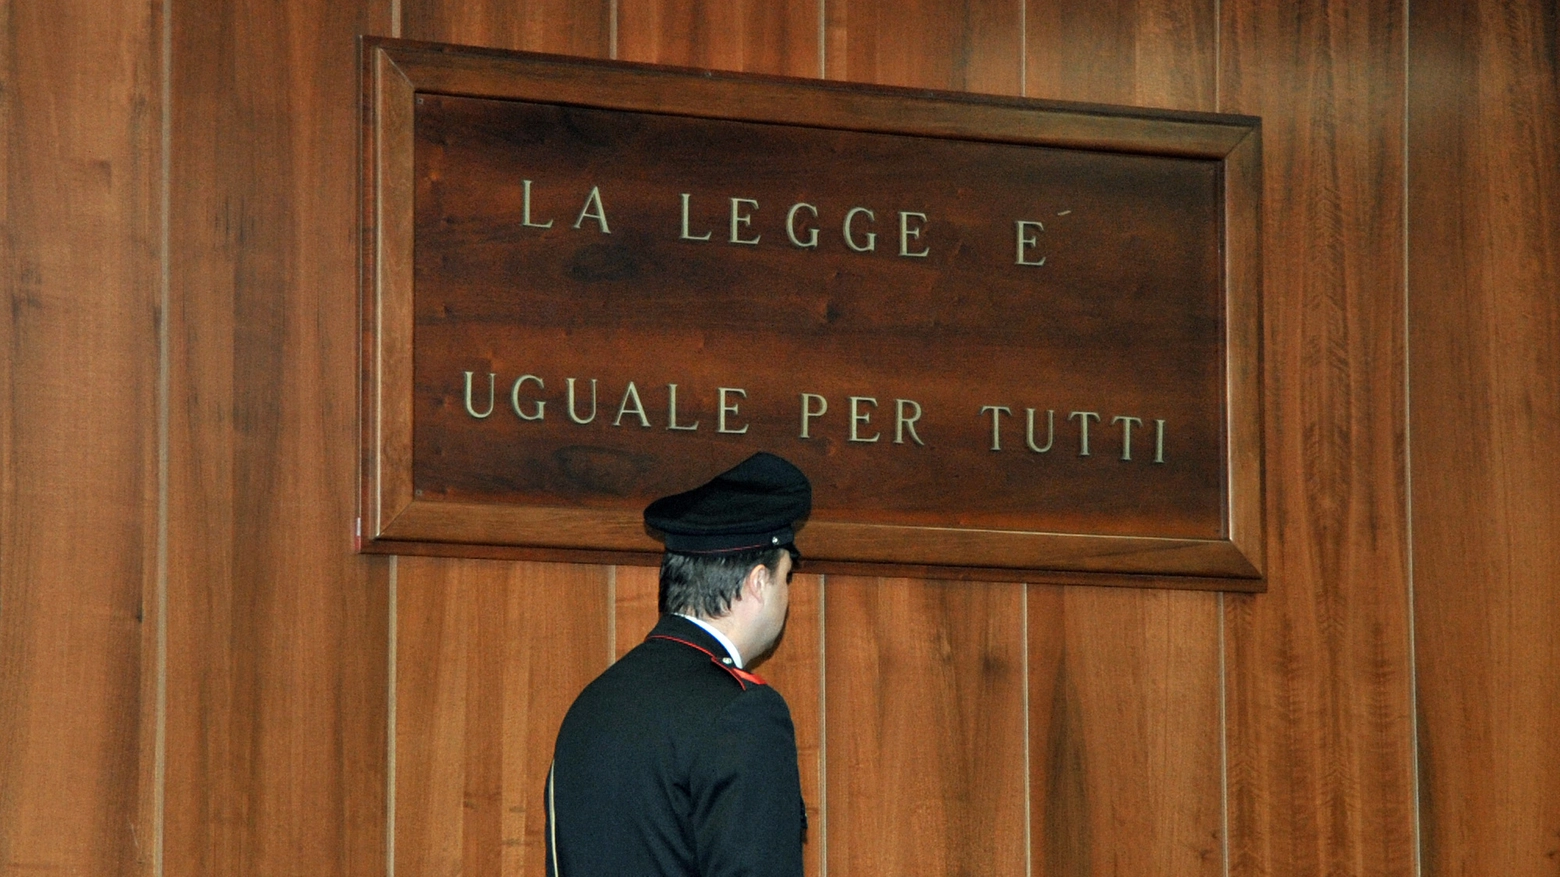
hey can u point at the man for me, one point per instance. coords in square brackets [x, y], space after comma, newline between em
[677, 760]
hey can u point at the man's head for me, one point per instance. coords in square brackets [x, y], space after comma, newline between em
[705, 586]
[729, 547]
[747, 594]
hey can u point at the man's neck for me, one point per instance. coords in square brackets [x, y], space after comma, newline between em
[720, 635]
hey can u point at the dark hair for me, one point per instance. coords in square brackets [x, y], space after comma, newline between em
[704, 585]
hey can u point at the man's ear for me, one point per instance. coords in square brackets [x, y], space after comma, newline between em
[756, 579]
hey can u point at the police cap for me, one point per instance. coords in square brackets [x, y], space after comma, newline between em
[753, 505]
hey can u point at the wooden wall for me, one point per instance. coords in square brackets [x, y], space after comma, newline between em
[79, 439]
[1484, 380]
[199, 677]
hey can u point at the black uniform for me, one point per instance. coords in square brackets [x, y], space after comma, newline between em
[674, 762]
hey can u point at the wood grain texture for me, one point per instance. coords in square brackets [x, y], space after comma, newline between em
[80, 105]
[795, 669]
[636, 596]
[751, 35]
[923, 680]
[506, 75]
[277, 632]
[385, 299]
[1124, 742]
[486, 666]
[1124, 713]
[1146, 53]
[959, 45]
[565, 27]
[1484, 374]
[924, 693]
[1320, 735]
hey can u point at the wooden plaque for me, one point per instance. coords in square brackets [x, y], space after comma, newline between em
[1005, 338]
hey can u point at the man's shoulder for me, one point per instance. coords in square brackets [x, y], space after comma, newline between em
[668, 663]
[672, 658]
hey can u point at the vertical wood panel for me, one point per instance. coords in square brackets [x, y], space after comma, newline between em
[1124, 733]
[1125, 736]
[1147, 53]
[476, 715]
[923, 680]
[635, 607]
[925, 699]
[795, 669]
[80, 105]
[962, 45]
[751, 35]
[432, 662]
[277, 632]
[567, 27]
[489, 657]
[1320, 743]
[1484, 319]
[206, 777]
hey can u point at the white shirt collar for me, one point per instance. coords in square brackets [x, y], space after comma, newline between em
[730, 647]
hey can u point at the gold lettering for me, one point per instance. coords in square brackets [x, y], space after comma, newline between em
[738, 218]
[858, 417]
[790, 228]
[1083, 426]
[720, 420]
[574, 415]
[906, 233]
[850, 240]
[470, 409]
[638, 410]
[1027, 241]
[671, 411]
[599, 214]
[514, 397]
[996, 424]
[685, 233]
[1159, 441]
[525, 208]
[1050, 430]
[1126, 433]
[808, 413]
[903, 423]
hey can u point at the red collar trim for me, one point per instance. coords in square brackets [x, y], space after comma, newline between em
[742, 676]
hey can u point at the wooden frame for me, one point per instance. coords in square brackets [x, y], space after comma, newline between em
[396, 519]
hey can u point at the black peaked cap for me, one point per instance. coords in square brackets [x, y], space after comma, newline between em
[755, 504]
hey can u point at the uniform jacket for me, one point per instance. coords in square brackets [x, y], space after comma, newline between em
[673, 762]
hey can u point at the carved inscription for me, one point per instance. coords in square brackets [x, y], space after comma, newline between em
[941, 333]
[528, 401]
[801, 227]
